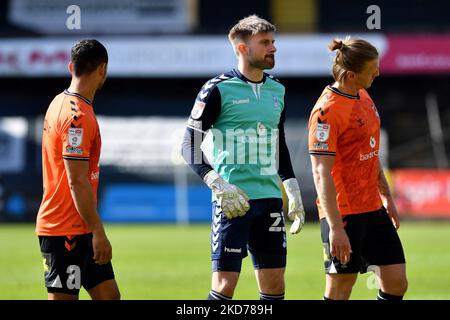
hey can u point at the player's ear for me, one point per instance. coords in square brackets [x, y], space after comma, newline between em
[241, 48]
[70, 67]
[102, 69]
[350, 75]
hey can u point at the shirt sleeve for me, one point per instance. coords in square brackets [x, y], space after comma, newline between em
[204, 113]
[285, 170]
[76, 136]
[324, 128]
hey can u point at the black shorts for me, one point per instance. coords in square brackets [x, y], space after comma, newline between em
[69, 264]
[373, 239]
[261, 231]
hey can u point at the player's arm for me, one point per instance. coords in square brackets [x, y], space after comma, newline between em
[296, 211]
[83, 197]
[325, 126]
[326, 191]
[207, 107]
[76, 137]
[386, 197]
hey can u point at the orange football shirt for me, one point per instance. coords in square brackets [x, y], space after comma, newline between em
[348, 127]
[70, 132]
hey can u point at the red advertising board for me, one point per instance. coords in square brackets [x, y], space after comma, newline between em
[422, 193]
[416, 55]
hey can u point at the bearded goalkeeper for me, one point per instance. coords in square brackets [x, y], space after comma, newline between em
[245, 110]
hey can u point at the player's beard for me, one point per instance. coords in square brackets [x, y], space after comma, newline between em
[267, 63]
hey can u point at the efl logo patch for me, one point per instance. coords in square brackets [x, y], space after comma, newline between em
[322, 132]
[75, 137]
[197, 110]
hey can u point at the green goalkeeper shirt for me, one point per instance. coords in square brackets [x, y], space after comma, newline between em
[247, 123]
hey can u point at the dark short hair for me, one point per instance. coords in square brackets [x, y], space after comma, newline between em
[87, 55]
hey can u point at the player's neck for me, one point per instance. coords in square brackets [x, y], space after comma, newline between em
[252, 74]
[346, 88]
[83, 88]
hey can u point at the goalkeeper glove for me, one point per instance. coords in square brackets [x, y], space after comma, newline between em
[296, 211]
[232, 200]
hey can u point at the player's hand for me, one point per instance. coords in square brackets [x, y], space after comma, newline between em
[296, 211]
[391, 209]
[102, 248]
[232, 200]
[340, 245]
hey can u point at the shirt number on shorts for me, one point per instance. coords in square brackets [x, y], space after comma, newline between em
[74, 278]
[275, 227]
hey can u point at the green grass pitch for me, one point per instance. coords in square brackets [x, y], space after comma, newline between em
[173, 262]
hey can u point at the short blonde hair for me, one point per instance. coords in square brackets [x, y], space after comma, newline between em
[351, 55]
[249, 26]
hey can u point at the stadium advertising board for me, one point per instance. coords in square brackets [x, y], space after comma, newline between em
[424, 55]
[103, 16]
[422, 193]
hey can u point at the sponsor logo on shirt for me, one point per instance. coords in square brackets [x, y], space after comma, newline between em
[373, 142]
[262, 130]
[368, 156]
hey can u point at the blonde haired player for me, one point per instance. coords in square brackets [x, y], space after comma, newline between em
[358, 215]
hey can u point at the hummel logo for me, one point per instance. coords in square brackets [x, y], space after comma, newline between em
[241, 101]
[233, 250]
